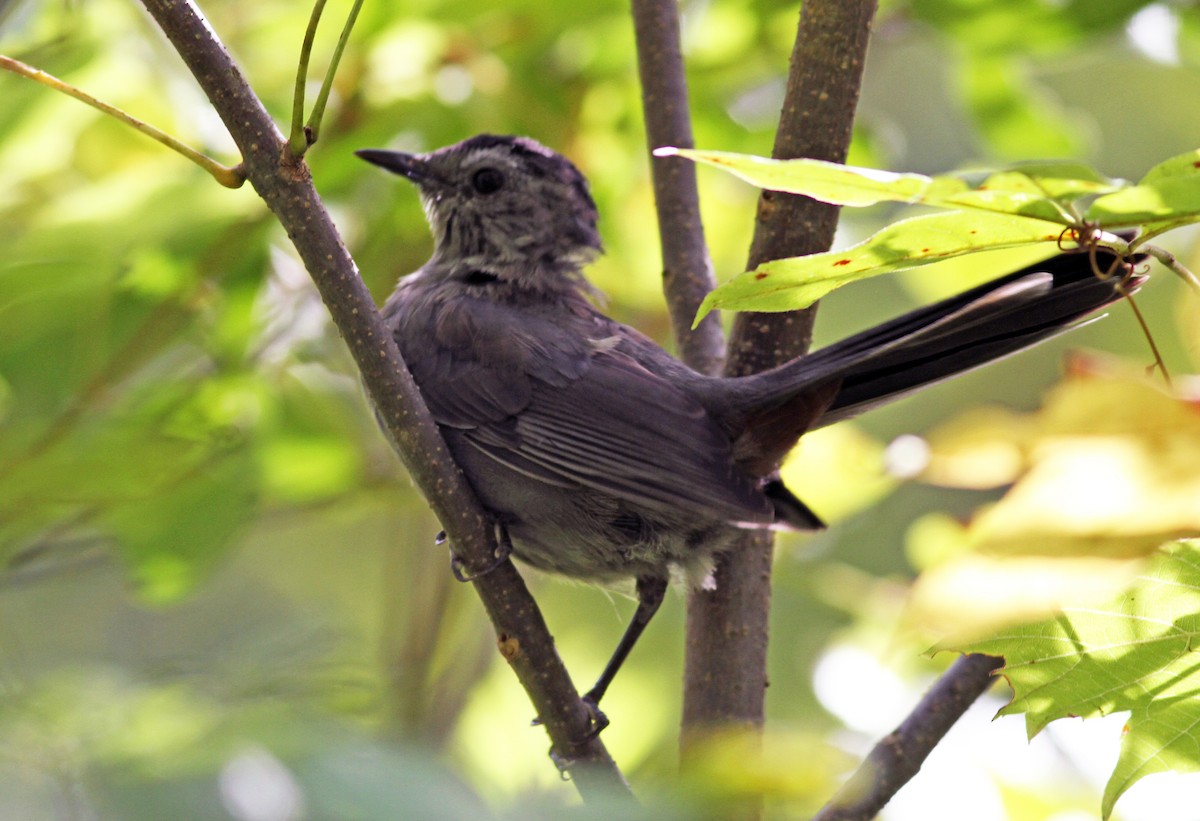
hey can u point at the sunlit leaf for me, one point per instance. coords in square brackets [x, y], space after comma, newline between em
[985, 447]
[1111, 471]
[973, 596]
[1065, 179]
[1028, 190]
[825, 181]
[838, 470]
[1181, 165]
[1135, 654]
[1170, 191]
[1103, 475]
[797, 282]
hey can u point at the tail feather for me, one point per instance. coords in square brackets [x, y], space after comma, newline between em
[972, 329]
[923, 347]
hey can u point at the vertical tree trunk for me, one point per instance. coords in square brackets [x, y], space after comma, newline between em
[726, 666]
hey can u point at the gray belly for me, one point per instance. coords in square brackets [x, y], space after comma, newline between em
[579, 532]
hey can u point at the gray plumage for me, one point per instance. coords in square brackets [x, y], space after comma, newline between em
[602, 456]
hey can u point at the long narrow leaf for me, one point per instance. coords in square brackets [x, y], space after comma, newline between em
[789, 284]
[1038, 190]
[825, 181]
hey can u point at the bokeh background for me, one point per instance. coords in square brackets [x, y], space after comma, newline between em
[221, 597]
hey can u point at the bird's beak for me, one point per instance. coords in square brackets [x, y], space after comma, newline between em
[410, 166]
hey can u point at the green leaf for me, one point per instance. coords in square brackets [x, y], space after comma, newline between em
[1181, 165]
[1170, 192]
[1134, 654]
[1065, 179]
[1038, 190]
[797, 282]
[825, 181]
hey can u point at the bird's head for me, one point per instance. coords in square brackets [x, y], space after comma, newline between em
[504, 204]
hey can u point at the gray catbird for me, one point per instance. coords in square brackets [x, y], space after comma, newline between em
[599, 454]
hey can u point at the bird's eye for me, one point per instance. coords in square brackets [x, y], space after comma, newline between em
[487, 180]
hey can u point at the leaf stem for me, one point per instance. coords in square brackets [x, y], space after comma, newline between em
[1171, 262]
[230, 177]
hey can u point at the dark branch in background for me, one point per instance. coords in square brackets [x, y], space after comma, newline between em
[898, 757]
[687, 270]
[725, 679]
[285, 185]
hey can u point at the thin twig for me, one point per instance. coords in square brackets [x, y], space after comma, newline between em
[687, 270]
[1172, 262]
[1123, 250]
[297, 137]
[898, 757]
[303, 134]
[287, 189]
[1159, 362]
[313, 129]
[230, 177]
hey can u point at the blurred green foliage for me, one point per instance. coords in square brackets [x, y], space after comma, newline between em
[215, 569]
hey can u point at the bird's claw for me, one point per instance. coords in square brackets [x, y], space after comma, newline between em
[564, 763]
[503, 551]
[597, 720]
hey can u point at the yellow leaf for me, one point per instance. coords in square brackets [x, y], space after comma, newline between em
[1114, 469]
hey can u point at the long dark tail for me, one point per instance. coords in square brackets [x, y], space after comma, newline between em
[925, 346]
[971, 329]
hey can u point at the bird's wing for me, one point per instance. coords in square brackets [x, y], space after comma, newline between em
[623, 431]
[565, 405]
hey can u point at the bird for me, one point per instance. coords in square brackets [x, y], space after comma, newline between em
[599, 455]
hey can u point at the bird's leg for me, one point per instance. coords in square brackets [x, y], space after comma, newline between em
[503, 551]
[650, 593]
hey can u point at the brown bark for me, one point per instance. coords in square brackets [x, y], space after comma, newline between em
[726, 676]
[285, 185]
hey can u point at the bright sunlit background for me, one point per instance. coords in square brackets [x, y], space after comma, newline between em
[222, 598]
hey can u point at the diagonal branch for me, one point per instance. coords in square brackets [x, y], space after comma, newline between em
[687, 270]
[898, 757]
[725, 679]
[285, 185]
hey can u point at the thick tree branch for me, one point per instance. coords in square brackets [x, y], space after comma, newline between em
[898, 757]
[285, 185]
[687, 270]
[725, 679]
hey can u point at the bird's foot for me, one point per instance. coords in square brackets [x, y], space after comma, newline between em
[499, 557]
